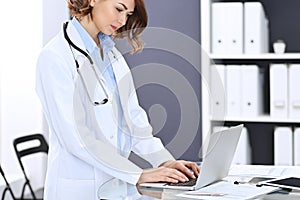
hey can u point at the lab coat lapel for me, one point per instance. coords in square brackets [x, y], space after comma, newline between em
[121, 76]
[124, 81]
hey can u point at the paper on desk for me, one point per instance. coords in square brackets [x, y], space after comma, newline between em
[257, 170]
[229, 191]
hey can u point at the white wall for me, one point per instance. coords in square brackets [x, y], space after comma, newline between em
[21, 40]
[26, 27]
[54, 13]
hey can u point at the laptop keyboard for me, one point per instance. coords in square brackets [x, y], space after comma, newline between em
[191, 182]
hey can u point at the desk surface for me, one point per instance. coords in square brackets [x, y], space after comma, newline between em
[118, 190]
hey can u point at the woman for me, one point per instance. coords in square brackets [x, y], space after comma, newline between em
[90, 104]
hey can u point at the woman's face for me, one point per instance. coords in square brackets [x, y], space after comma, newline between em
[110, 15]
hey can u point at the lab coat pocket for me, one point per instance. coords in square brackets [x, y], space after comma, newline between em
[76, 189]
[106, 114]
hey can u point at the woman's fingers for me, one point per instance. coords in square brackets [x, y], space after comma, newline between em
[178, 175]
[162, 174]
[195, 168]
[191, 169]
[171, 171]
[187, 169]
[171, 175]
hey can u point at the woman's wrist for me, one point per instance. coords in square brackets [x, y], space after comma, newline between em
[166, 163]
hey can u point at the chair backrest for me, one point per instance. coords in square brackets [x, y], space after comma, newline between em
[42, 147]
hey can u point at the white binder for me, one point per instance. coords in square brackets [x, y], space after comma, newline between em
[242, 155]
[283, 146]
[252, 91]
[294, 93]
[297, 146]
[218, 91]
[256, 33]
[227, 28]
[279, 90]
[233, 85]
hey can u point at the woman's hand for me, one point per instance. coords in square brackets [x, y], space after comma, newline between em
[162, 174]
[190, 169]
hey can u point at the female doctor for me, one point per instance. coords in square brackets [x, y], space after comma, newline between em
[91, 107]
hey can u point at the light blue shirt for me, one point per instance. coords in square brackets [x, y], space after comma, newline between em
[104, 63]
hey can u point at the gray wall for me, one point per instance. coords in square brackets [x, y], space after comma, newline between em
[166, 74]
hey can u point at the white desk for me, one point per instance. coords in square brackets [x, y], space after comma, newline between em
[118, 190]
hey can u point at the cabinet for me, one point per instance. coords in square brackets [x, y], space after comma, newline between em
[281, 16]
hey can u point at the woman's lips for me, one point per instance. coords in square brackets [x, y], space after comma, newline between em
[113, 27]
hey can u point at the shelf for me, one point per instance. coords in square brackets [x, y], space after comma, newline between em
[266, 56]
[262, 146]
[260, 119]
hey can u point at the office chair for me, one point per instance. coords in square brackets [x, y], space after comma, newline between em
[7, 187]
[43, 148]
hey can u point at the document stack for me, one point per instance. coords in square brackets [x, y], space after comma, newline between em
[239, 28]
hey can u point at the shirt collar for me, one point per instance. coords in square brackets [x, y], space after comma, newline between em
[106, 42]
[90, 45]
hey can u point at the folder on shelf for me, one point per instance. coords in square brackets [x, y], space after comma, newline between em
[279, 90]
[256, 29]
[252, 91]
[218, 91]
[227, 28]
[283, 146]
[242, 154]
[233, 90]
[297, 146]
[294, 93]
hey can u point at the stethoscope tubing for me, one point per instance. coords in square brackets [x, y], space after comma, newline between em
[71, 44]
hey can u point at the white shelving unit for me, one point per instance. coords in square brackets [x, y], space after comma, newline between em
[266, 56]
[260, 119]
[205, 63]
[207, 58]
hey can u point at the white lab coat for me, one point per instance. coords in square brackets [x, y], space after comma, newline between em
[83, 152]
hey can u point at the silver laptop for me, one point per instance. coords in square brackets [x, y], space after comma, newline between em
[216, 164]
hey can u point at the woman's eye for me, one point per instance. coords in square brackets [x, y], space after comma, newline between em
[119, 10]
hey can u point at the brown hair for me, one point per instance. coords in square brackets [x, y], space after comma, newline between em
[133, 28]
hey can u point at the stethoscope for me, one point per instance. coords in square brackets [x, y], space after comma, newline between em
[71, 44]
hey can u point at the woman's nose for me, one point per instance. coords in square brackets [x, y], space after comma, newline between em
[122, 19]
